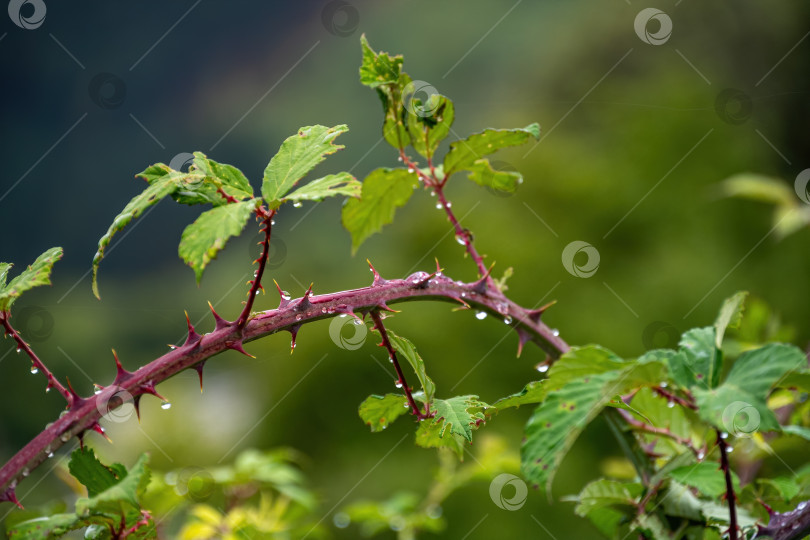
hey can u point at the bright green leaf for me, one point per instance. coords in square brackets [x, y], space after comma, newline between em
[787, 488]
[429, 123]
[459, 415]
[482, 173]
[408, 350]
[604, 493]
[45, 527]
[91, 473]
[383, 191]
[380, 411]
[757, 371]
[128, 490]
[759, 188]
[698, 360]
[203, 239]
[730, 316]
[534, 392]
[378, 68]
[329, 186]
[706, 477]
[433, 435]
[799, 431]
[38, 273]
[465, 152]
[679, 501]
[297, 156]
[221, 175]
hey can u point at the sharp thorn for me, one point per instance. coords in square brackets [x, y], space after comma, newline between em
[193, 338]
[480, 286]
[383, 306]
[237, 346]
[75, 399]
[285, 298]
[439, 269]
[304, 303]
[10, 496]
[199, 367]
[536, 313]
[149, 388]
[523, 338]
[221, 323]
[100, 430]
[377, 279]
[293, 330]
[80, 436]
[136, 402]
[121, 373]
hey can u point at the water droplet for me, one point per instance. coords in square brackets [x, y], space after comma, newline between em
[323, 310]
[65, 437]
[410, 169]
[398, 384]
[724, 435]
[448, 204]
[480, 315]
[555, 332]
[542, 368]
[439, 206]
[47, 389]
[434, 511]
[507, 320]
[383, 315]
[701, 455]
[432, 193]
[34, 369]
[670, 404]
[257, 292]
[663, 384]
[63, 414]
[165, 405]
[299, 317]
[729, 450]
[407, 405]
[297, 204]
[464, 295]
[399, 158]
[502, 308]
[461, 239]
[25, 472]
[342, 520]
[98, 389]
[285, 295]
[50, 454]
[18, 350]
[272, 222]
[172, 347]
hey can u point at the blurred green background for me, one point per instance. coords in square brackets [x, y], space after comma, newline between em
[635, 139]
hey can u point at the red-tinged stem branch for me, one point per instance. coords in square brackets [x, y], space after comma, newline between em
[791, 525]
[85, 413]
[432, 182]
[256, 282]
[38, 364]
[392, 354]
[653, 430]
[688, 403]
[731, 498]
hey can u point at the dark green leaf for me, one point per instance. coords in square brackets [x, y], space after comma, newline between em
[433, 435]
[604, 493]
[482, 173]
[129, 489]
[407, 349]
[203, 239]
[679, 501]
[799, 431]
[218, 175]
[91, 473]
[329, 186]
[706, 477]
[383, 191]
[730, 316]
[378, 68]
[467, 151]
[380, 411]
[38, 273]
[459, 415]
[45, 527]
[429, 123]
[297, 156]
[698, 361]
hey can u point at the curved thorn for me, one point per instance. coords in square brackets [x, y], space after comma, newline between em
[121, 373]
[377, 279]
[136, 402]
[293, 330]
[199, 367]
[75, 399]
[285, 299]
[100, 430]
[10, 496]
[193, 337]
[149, 388]
[237, 346]
[535, 314]
[523, 338]
[221, 323]
[480, 286]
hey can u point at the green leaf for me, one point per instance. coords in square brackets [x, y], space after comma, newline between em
[433, 435]
[38, 273]
[605, 493]
[706, 477]
[429, 123]
[800, 380]
[679, 501]
[45, 527]
[465, 152]
[91, 473]
[407, 349]
[380, 411]
[730, 316]
[787, 488]
[482, 173]
[378, 68]
[534, 392]
[129, 489]
[162, 186]
[698, 360]
[459, 415]
[329, 186]
[217, 175]
[203, 239]
[297, 156]
[383, 191]
[759, 188]
[739, 404]
[799, 431]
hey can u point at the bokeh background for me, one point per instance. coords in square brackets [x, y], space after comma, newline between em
[636, 137]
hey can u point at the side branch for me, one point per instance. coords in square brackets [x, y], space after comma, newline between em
[85, 413]
[256, 282]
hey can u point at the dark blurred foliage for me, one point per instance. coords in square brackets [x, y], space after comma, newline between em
[635, 139]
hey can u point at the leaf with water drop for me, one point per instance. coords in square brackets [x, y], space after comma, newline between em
[384, 190]
[465, 152]
[429, 123]
[35, 275]
[296, 157]
[380, 411]
[482, 173]
[329, 186]
[459, 415]
[408, 350]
